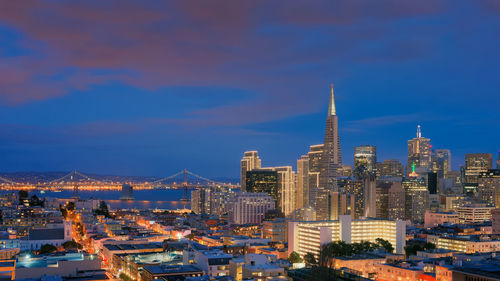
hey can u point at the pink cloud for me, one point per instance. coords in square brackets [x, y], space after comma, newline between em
[152, 45]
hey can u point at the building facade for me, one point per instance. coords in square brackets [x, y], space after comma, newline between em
[331, 160]
[475, 164]
[247, 207]
[365, 159]
[249, 162]
[419, 152]
[308, 236]
[302, 183]
[416, 199]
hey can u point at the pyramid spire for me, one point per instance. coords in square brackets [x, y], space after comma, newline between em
[331, 105]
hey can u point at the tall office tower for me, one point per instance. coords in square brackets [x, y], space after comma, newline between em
[441, 162]
[489, 188]
[370, 195]
[315, 153]
[419, 152]
[331, 161]
[286, 187]
[302, 183]
[383, 199]
[345, 171]
[476, 163]
[249, 162]
[341, 204]
[264, 180]
[390, 168]
[247, 207]
[365, 159]
[452, 183]
[396, 202]
[219, 202]
[127, 192]
[498, 160]
[200, 201]
[356, 188]
[432, 182]
[416, 199]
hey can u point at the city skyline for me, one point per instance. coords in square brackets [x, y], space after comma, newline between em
[72, 98]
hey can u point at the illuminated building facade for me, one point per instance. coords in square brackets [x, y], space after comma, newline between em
[416, 199]
[275, 230]
[302, 183]
[390, 168]
[474, 213]
[488, 187]
[475, 164]
[355, 188]
[247, 207]
[419, 152]
[264, 180]
[314, 155]
[200, 201]
[365, 159]
[331, 161]
[441, 162]
[249, 162]
[469, 244]
[308, 236]
[438, 218]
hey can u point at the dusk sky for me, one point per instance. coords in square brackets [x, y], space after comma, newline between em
[150, 87]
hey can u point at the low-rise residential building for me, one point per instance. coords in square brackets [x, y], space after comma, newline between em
[399, 271]
[439, 218]
[365, 264]
[68, 264]
[176, 272]
[213, 262]
[467, 243]
[473, 213]
[275, 230]
[257, 267]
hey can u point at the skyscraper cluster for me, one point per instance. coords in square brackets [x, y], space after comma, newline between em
[386, 189]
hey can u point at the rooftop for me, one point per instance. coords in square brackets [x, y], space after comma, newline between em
[166, 270]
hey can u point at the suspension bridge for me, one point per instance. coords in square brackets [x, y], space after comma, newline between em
[76, 180]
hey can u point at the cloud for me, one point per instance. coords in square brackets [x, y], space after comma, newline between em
[389, 120]
[152, 44]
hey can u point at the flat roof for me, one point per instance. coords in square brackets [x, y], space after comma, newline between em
[160, 270]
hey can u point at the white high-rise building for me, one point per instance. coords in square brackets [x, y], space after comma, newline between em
[247, 207]
[286, 188]
[302, 183]
[249, 162]
[308, 236]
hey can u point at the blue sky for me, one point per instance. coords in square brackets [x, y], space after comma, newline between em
[149, 88]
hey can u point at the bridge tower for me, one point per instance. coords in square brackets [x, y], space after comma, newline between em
[75, 187]
[185, 198]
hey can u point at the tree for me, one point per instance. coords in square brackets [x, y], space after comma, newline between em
[71, 245]
[309, 259]
[429, 246]
[47, 249]
[102, 210]
[294, 257]
[385, 244]
[70, 206]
